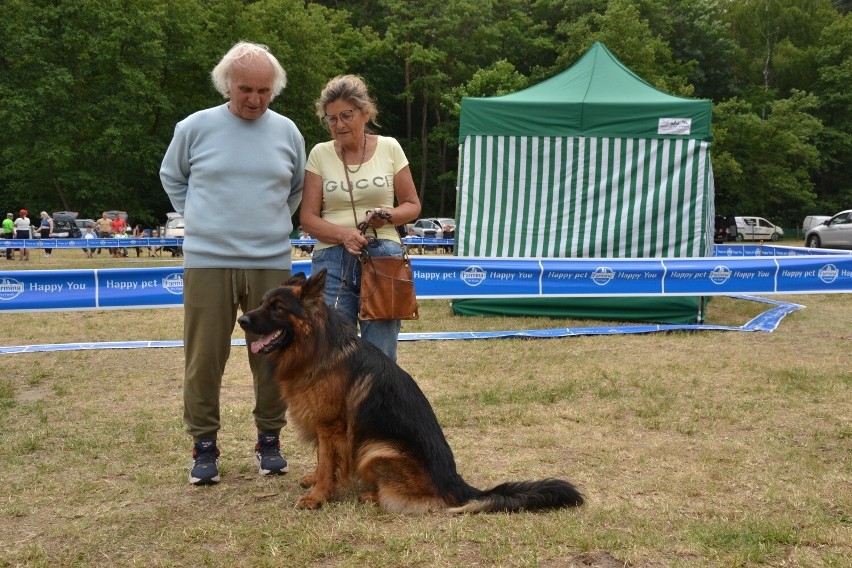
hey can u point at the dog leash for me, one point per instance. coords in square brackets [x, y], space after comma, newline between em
[362, 226]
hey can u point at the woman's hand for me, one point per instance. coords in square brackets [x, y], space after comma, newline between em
[353, 241]
[377, 218]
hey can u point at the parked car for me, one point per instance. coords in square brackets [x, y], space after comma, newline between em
[757, 229]
[432, 228]
[111, 215]
[174, 227]
[83, 223]
[65, 226]
[835, 232]
[812, 221]
[444, 221]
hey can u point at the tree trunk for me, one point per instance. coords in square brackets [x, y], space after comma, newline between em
[407, 100]
[424, 147]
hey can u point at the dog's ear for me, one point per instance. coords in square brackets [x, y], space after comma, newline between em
[315, 285]
[296, 280]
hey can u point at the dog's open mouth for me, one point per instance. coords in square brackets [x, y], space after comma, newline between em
[268, 342]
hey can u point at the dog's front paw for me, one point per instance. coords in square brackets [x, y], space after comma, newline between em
[369, 497]
[308, 502]
[308, 480]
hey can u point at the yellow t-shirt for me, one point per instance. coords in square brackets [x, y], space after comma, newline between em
[372, 184]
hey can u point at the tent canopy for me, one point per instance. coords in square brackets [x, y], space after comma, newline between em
[591, 163]
[597, 96]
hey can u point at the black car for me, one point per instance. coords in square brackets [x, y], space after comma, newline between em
[726, 229]
[64, 226]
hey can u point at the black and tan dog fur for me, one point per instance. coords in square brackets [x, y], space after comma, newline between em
[370, 422]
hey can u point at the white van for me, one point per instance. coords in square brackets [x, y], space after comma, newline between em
[174, 228]
[757, 229]
[812, 221]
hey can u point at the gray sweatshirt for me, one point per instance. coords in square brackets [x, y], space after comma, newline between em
[237, 183]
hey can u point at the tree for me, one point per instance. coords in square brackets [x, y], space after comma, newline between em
[93, 89]
[700, 37]
[629, 37]
[765, 164]
[425, 39]
[80, 131]
[776, 44]
[834, 62]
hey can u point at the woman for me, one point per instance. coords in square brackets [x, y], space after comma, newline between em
[45, 227]
[138, 233]
[377, 171]
[23, 230]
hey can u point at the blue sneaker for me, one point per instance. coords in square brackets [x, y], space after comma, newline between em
[205, 461]
[268, 452]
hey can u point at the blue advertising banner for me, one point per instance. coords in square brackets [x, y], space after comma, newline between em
[696, 277]
[610, 277]
[90, 243]
[140, 287]
[438, 276]
[35, 290]
[767, 321]
[168, 242]
[448, 277]
[828, 275]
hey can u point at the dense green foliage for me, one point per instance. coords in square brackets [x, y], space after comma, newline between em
[92, 88]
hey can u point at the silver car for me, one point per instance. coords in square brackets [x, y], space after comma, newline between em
[428, 228]
[834, 233]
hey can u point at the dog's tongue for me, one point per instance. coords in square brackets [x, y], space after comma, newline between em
[256, 346]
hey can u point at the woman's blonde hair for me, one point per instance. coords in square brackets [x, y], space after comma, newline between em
[351, 88]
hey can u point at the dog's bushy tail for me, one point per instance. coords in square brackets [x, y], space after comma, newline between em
[517, 496]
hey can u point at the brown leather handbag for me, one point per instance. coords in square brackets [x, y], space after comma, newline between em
[387, 282]
[387, 288]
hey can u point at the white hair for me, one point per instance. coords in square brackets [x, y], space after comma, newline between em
[244, 54]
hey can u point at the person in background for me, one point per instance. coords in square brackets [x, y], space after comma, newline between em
[304, 250]
[104, 227]
[118, 225]
[45, 227]
[449, 232]
[138, 233]
[119, 252]
[23, 230]
[154, 250]
[379, 174]
[89, 237]
[238, 157]
[8, 234]
[419, 249]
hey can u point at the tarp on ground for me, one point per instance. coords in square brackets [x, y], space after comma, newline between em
[593, 162]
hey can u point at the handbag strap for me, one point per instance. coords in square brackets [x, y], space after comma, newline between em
[349, 184]
[362, 226]
[355, 215]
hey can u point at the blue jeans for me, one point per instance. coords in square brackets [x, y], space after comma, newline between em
[343, 291]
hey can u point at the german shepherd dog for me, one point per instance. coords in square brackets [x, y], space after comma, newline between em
[370, 422]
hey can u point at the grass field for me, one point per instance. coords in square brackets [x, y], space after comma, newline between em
[707, 449]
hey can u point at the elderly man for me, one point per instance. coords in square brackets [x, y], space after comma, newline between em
[237, 165]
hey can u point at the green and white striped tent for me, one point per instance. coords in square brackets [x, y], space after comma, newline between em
[593, 162]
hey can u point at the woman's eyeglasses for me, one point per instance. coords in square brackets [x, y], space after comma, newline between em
[346, 117]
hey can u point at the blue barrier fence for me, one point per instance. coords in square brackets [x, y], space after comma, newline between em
[165, 242]
[90, 243]
[768, 321]
[736, 270]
